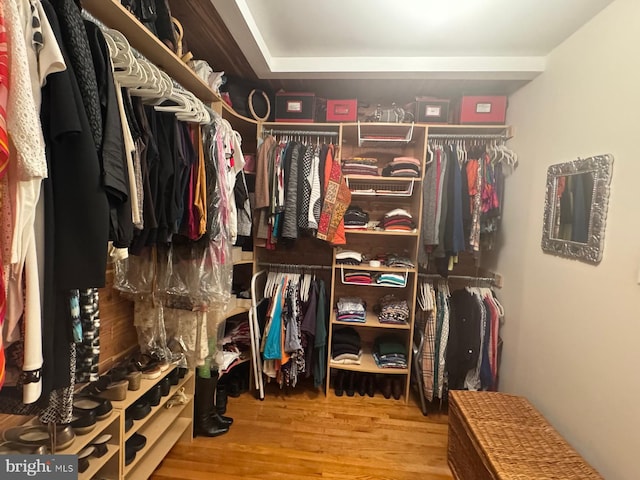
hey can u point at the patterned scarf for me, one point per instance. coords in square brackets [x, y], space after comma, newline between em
[337, 199]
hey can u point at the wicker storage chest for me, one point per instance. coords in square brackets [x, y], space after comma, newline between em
[498, 436]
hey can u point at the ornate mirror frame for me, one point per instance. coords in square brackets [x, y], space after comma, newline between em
[591, 251]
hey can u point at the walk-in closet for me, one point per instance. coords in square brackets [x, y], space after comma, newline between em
[292, 239]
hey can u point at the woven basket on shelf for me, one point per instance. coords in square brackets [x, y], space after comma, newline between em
[498, 436]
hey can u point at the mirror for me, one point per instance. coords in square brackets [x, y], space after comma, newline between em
[575, 211]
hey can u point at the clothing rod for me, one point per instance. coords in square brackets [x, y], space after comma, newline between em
[295, 265]
[301, 132]
[436, 276]
[470, 136]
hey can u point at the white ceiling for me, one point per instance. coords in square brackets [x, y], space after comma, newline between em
[457, 39]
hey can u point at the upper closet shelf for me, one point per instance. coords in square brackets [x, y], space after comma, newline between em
[384, 134]
[114, 15]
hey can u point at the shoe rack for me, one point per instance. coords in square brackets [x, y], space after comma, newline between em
[163, 427]
[108, 465]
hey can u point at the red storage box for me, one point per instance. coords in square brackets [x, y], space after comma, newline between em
[432, 110]
[295, 107]
[342, 110]
[487, 109]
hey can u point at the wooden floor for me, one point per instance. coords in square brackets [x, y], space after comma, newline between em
[301, 435]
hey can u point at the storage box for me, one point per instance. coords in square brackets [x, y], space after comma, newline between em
[487, 109]
[496, 436]
[432, 110]
[295, 107]
[342, 110]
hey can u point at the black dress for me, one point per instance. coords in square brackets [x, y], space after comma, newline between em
[76, 210]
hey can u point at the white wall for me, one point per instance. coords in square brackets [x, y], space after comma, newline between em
[572, 332]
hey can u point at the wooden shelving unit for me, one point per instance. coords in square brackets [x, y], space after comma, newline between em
[384, 142]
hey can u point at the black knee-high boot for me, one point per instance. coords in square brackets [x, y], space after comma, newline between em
[204, 422]
[220, 419]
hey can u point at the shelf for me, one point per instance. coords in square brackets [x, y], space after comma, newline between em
[365, 267]
[371, 321]
[114, 15]
[275, 126]
[153, 415]
[368, 365]
[154, 451]
[443, 129]
[242, 262]
[226, 108]
[95, 464]
[237, 311]
[383, 232]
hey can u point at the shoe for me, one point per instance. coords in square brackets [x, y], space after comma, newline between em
[165, 386]
[154, 395]
[139, 410]
[136, 442]
[100, 406]
[385, 387]
[129, 455]
[221, 419]
[108, 388]
[83, 421]
[38, 435]
[350, 381]
[100, 445]
[221, 399]
[83, 458]
[182, 371]
[396, 388]
[234, 388]
[174, 376]
[205, 422]
[371, 385]
[126, 371]
[10, 448]
[362, 381]
[134, 378]
[128, 421]
[149, 367]
[338, 385]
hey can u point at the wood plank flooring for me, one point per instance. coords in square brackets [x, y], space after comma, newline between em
[303, 435]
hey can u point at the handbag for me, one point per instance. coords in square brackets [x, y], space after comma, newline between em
[394, 114]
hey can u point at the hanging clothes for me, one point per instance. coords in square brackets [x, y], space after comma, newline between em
[462, 199]
[461, 336]
[294, 339]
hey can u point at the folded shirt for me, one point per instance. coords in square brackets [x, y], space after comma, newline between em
[348, 254]
[351, 304]
[391, 279]
[362, 160]
[412, 160]
[397, 211]
[390, 362]
[401, 170]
